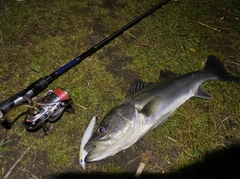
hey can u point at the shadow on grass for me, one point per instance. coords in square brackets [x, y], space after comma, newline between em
[7, 124]
[220, 164]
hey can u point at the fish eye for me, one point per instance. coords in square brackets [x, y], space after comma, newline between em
[101, 129]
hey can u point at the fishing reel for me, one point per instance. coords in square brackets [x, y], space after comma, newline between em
[49, 108]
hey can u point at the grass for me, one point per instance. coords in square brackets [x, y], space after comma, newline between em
[42, 36]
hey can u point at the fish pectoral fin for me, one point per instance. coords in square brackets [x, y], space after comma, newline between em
[201, 93]
[151, 106]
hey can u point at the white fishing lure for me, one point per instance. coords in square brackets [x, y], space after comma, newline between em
[86, 136]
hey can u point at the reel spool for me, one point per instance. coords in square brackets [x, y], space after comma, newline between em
[49, 108]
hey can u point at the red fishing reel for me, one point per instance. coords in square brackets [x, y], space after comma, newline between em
[49, 108]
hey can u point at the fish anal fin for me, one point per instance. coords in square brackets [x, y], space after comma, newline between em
[151, 106]
[202, 93]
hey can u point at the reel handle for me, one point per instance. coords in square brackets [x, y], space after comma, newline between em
[11, 103]
[23, 97]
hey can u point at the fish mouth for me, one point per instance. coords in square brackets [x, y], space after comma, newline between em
[96, 152]
[89, 148]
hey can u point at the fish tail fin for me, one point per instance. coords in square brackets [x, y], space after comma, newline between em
[213, 64]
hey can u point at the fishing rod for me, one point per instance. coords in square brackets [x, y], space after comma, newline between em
[52, 105]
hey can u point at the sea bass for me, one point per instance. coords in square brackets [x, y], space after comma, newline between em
[149, 107]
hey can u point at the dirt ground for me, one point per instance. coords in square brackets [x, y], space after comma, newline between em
[215, 165]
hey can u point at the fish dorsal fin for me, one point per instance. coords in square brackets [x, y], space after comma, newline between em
[137, 85]
[201, 93]
[167, 74]
[151, 106]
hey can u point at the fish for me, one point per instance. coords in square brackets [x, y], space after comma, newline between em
[86, 136]
[150, 106]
